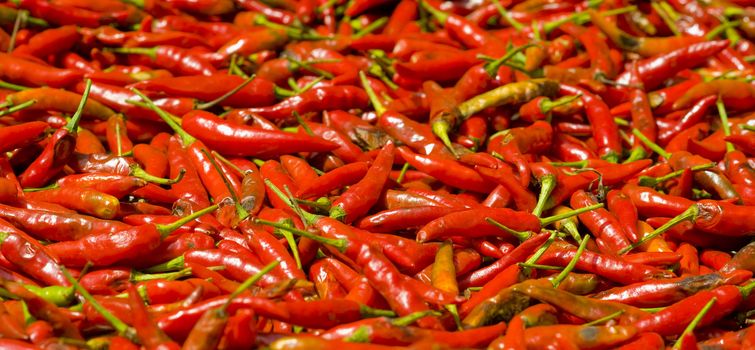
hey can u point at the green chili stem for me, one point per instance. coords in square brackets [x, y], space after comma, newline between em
[605, 319]
[74, 122]
[505, 15]
[166, 230]
[547, 185]
[379, 108]
[341, 244]
[375, 25]
[541, 266]
[172, 121]
[208, 105]
[248, 283]
[122, 328]
[695, 321]
[569, 267]
[652, 181]
[650, 144]
[18, 107]
[689, 214]
[551, 219]
[521, 236]
[401, 175]
[724, 122]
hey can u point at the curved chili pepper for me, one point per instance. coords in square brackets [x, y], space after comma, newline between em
[662, 293]
[359, 198]
[446, 170]
[645, 46]
[25, 72]
[735, 94]
[672, 319]
[21, 135]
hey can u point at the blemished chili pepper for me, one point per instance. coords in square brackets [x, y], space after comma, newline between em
[585, 308]
[578, 336]
[645, 46]
[662, 293]
[741, 260]
[84, 200]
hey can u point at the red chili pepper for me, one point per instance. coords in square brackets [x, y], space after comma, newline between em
[105, 249]
[672, 319]
[173, 58]
[230, 139]
[359, 198]
[257, 93]
[601, 223]
[446, 170]
[645, 46]
[605, 131]
[21, 135]
[25, 72]
[603, 265]
[735, 94]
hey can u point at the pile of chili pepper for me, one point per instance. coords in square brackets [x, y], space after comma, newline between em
[375, 174]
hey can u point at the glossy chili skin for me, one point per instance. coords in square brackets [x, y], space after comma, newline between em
[360, 197]
[230, 139]
[315, 99]
[30, 256]
[19, 70]
[257, 93]
[601, 222]
[605, 131]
